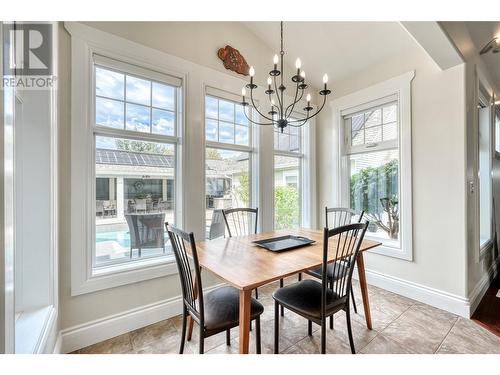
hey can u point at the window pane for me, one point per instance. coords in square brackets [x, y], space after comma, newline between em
[294, 143]
[227, 185]
[241, 135]
[109, 83]
[286, 192]
[138, 118]
[357, 122]
[135, 196]
[240, 116]
[374, 189]
[226, 132]
[390, 113]
[390, 131]
[373, 134]
[163, 122]
[226, 111]
[163, 96]
[138, 90]
[211, 130]
[211, 107]
[109, 113]
[294, 130]
[284, 141]
[358, 138]
[373, 117]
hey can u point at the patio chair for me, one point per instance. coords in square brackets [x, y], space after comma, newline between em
[146, 232]
[99, 208]
[140, 205]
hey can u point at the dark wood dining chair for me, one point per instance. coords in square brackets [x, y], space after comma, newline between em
[337, 217]
[241, 221]
[315, 300]
[216, 311]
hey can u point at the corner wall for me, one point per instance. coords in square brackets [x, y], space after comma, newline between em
[479, 270]
[437, 274]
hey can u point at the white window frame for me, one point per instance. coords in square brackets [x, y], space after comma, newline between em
[83, 52]
[253, 173]
[395, 89]
[306, 157]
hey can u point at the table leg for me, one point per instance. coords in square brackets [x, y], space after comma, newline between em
[190, 319]
[364, 290]
[245, 299]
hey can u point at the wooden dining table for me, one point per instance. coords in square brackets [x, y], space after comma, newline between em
[247, 266]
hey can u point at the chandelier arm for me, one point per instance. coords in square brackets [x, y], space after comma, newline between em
[297, 125]
[295, 101]
[255, 107]
[254, 122]
[313, 115]
[280, 105]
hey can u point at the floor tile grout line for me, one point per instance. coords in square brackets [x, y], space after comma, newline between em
[442, 341]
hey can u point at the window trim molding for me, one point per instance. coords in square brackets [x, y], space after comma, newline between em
[401, 87]
[226, 93]
[85, 43]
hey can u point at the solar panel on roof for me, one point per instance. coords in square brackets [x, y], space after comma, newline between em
[118, 157]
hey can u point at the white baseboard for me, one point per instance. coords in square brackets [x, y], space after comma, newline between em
[90, 333]
[482, 286]
[434, 297]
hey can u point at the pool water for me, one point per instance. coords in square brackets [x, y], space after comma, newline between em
[122, 238]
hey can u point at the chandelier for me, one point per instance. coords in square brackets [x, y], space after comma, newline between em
[280, 114]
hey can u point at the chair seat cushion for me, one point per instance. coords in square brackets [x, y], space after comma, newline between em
[222, 308]
[304, 298]
[332, 274]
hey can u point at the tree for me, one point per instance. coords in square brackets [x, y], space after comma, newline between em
[243, 188]
[213, 154]
[375, 191]
[143, 147]
[286, 205]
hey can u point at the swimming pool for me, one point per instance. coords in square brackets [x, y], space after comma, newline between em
[122, 238]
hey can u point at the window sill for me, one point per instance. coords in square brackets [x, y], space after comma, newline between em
[387, 249]
[123, 274]
[30, 328]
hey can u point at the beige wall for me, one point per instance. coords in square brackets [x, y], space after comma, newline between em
[197, 42]
[477, 269]
[438, 167]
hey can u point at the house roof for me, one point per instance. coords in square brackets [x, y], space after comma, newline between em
[119, 157]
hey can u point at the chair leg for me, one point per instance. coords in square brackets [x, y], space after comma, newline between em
[349, 329]
[257, 335]
[300, 276]
[354, 302]
[190, 328]
[309, 328]
[228, 337]
[282, 308]
[256, 293]
[323, 335]
[202, 340]
[183, 337]
[276, 327]
[331, 321]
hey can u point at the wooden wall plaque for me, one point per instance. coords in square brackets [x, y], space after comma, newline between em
[233, 60]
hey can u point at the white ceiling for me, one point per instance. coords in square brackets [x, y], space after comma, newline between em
[481, 33]
[339, 49]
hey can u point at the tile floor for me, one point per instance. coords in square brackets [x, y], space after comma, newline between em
[400, 325]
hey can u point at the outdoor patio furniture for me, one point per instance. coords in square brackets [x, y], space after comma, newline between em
[140, 205]
[99, 208]
[217, 226]
[109, 207]
[146, 231]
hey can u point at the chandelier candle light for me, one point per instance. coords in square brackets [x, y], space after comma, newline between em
[280, 115]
